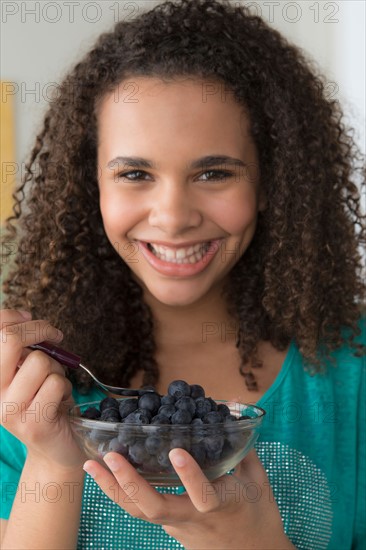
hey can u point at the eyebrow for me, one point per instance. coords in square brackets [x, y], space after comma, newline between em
[203, 162]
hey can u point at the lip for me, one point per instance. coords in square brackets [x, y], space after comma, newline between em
[180, 270]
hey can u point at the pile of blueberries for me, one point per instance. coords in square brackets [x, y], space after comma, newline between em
[210, 439]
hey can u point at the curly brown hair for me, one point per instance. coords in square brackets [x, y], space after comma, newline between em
[301, 277]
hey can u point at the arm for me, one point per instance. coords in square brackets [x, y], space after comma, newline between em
[46, 509]
[35, 397]
[3, 524]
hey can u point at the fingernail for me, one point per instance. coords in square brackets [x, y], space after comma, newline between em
[25, 314]
[60, 334]
[111, 462]
[89, 470]
[177, 458]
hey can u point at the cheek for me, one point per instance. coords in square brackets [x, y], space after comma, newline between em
[238, 215]
[117, 214]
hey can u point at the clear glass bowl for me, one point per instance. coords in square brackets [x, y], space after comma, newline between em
[217, 448]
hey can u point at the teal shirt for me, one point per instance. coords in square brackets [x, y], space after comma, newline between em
[312, 446]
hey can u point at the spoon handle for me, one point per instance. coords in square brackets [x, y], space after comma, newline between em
[64, 357]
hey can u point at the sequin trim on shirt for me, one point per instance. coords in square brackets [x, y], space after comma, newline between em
[302, 493]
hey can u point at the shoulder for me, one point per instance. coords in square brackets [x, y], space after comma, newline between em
[352, 356]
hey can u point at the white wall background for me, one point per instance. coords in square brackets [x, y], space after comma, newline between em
[41, 40]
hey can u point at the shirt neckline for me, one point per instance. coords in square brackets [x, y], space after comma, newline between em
[280, 376]
[276, 383]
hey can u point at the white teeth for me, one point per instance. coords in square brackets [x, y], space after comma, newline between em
[191, 254]
[168, 253]
[180, 253]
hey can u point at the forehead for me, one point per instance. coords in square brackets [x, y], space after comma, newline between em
[179, 113]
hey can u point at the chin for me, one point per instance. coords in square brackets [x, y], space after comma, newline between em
[174, 298]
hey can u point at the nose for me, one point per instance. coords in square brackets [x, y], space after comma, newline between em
[174, 209]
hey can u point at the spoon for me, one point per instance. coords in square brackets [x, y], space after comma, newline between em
[74, 362]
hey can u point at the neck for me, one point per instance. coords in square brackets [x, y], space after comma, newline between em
[204, 321]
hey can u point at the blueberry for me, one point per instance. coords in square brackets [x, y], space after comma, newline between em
[167, 400]
[127, 436]
[108, 403]
[139, 416]
[180, 443]
[164, 460]
[138, 453]
[199, 429]
[160, 419]
[127, 406]
[213, 458]
[223, 410]
[110, 415]
[186, 404]
[197, 391]
[116, 446]
[181, 417]
[92, 413]
[212, 438]
[212, 403]
[212, 418]
[144, 412]
[167, 410]
[213, 444]
[179, 388]
[203, 406]
[197, 423]
[150, 401]
[154, 444]
[199, 454]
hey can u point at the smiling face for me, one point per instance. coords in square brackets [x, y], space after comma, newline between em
[179, 189]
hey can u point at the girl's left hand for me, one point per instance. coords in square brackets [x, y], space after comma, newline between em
[234, 512]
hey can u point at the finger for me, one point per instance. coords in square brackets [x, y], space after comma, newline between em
[15, 337]
[47, 400]
[201, 491]
[30, 332]
[151, 504]
[123, 493]
[147, 503]
[30, 377]
[13, 316]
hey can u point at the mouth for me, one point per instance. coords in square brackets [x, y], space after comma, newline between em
[180, 261]
[184, 255]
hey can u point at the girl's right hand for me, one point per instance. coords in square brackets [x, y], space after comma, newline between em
[34, 392]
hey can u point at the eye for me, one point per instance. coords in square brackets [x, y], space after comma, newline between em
[217, 175]
[136, 175]
[127, 175]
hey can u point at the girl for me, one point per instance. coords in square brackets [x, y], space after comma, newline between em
[190, 210]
